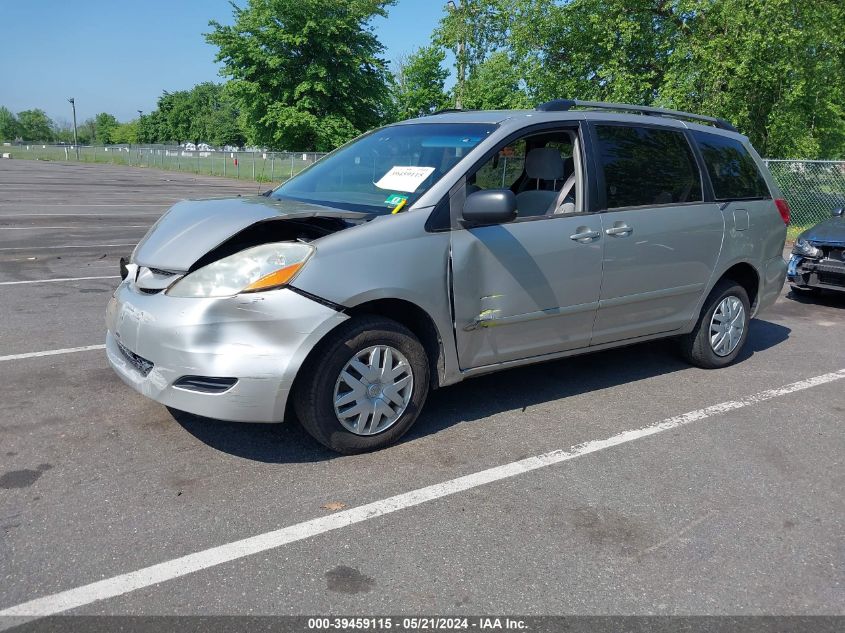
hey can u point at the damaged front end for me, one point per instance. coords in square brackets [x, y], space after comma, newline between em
[196, 233]
[205, 320]
[817, 265]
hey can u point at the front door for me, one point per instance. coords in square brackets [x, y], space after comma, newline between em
[525, 289]
[529, 287]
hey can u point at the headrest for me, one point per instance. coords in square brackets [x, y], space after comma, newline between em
[544, 163]
[568, 166]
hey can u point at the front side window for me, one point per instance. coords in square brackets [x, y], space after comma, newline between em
[540, 169]
[389, 167]
[503, 170]
[646, 166]
[733, 172]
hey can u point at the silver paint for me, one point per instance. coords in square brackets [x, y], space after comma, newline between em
[259, 339]
[191, 228]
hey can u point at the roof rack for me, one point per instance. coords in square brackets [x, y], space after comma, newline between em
[446, 111]
[563, 105]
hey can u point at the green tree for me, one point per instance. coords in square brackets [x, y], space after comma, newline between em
[87, 132]
[9, 128]
[494, 85]
[104, 126]
[419, 83]
[125, 133]
[215, 117]
[35, 125]
[608, 50]
[306, 75]
[150, 128]
[175, 112]
[63, 131]
[774, 68]
[204, 114]
[473, 30]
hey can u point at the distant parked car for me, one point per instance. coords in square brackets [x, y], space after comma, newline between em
[189, 147]
[818, 257]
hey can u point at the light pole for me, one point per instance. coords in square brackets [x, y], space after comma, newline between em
[455, 8]
[75, 141]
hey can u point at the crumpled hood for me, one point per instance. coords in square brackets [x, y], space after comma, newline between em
[190, 229]
[830, 231]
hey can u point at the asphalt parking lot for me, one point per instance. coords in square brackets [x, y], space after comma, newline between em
[732, 509]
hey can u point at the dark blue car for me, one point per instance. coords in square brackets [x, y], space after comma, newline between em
[818, 257]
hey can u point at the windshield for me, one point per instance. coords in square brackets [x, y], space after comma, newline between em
[387, 170]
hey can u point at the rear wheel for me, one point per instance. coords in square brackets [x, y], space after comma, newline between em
[721, 329]
[363, 386]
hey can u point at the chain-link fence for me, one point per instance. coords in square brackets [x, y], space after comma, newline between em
[813, 189]
[257, 165]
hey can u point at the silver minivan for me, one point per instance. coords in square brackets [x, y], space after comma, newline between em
[445, 247]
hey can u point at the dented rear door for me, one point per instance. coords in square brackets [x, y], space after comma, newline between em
[525, 289]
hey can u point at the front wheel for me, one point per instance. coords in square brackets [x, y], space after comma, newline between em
[721, 329]
[364, 386]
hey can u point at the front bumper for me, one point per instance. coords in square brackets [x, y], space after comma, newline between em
[826, 273]
[259, 339]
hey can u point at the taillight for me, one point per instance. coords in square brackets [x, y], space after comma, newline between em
[783, 207]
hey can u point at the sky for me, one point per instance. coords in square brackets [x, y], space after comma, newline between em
[118, 56]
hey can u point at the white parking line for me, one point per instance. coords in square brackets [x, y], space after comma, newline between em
[62, 204]
[184, 565]
[51, 352]
[71, 227]
[70, 215]
[49, 281]
[32, 248]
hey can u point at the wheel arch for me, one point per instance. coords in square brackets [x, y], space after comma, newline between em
[415, 319]
[747, 276]
[409, 314]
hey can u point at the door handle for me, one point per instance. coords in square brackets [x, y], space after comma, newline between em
[621, 231]
[585, 236]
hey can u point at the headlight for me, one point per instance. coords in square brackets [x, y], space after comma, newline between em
[803, 247]
[258, 268]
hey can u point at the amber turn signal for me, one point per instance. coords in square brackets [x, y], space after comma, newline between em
[275, 279]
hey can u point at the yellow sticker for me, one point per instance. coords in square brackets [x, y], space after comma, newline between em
[399, 206]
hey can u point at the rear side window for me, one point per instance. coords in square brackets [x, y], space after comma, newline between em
[645, 166]
[733, 172]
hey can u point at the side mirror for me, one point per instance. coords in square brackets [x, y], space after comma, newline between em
[838, 213]
[493, 206]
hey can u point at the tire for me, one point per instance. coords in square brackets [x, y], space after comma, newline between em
[320, 379]
[696, 346]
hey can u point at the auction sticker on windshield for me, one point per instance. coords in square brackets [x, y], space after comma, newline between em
[406, 179]
[395, 198]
